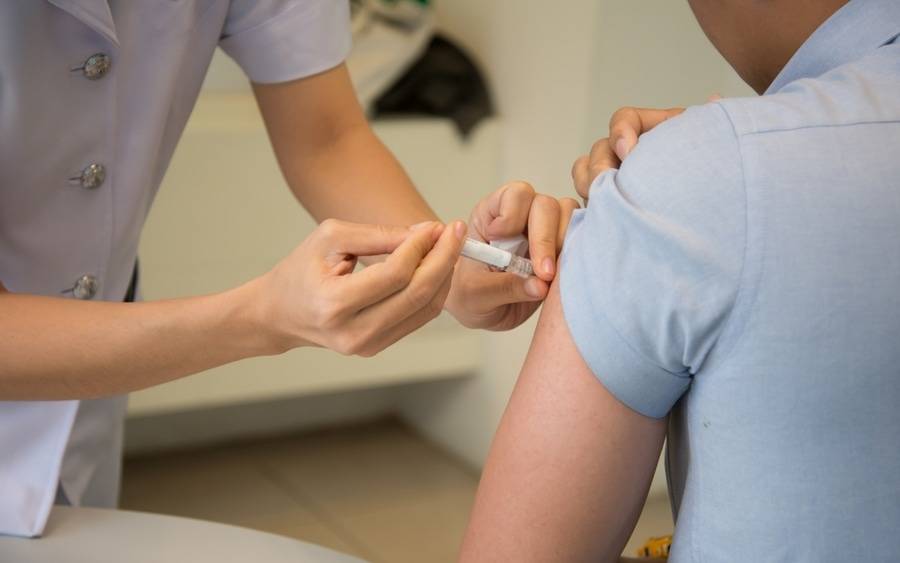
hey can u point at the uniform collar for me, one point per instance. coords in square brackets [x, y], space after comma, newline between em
[93, 13]
[859, 27]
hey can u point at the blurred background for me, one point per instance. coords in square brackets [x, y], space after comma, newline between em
[380, 457]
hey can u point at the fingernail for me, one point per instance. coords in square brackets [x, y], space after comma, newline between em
[460, 230]
[548, 266]
[418, 226]
[622, 148]
[533, 288]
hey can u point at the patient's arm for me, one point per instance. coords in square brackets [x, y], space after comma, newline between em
[570, 465]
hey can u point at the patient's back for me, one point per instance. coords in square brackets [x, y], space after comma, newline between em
[787, 446]
[741, 271]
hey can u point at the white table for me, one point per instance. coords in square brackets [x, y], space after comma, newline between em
[91, 535]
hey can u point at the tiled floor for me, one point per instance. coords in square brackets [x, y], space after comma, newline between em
[377, 491]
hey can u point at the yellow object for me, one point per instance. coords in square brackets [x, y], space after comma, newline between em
[656, 547]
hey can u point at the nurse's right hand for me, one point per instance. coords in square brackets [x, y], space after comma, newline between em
[55, 348]
[314, 296]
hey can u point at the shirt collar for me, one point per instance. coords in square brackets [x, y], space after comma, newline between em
[93, 13]
[859, 27]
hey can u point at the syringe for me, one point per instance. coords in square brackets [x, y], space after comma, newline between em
[497, 257]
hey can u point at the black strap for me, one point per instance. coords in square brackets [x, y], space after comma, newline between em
[132, 285]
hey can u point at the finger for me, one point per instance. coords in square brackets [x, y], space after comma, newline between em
[581, 176]
[379, 281]
[505, 212]
[627, 124]
[543, 228]
[386, 338]
[714, 97]
[567, 205]
[601, 158]
[436, 267]
[487, 291]
[358, 239]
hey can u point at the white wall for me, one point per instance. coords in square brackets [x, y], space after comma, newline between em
[652, 53]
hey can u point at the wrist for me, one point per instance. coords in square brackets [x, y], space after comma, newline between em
[248, 313]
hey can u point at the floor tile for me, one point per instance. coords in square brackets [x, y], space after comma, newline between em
[429, 530]
[303, 529]
[379, 491]
[348, 474]
[220, 485]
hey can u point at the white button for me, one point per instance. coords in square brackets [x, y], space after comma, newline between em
[85, 287]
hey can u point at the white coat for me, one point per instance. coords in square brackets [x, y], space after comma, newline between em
[94, 95]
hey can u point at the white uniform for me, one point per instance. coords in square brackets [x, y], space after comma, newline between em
[94, 95]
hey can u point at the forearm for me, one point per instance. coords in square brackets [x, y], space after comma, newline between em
[64, 349]
[356, 178]
[330, 157]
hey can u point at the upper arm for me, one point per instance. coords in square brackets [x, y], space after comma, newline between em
[570, 465]
[293, 53]
[310, 114]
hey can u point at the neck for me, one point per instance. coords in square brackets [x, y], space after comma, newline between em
[785, 26]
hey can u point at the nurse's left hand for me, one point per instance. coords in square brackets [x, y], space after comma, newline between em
[482, 298]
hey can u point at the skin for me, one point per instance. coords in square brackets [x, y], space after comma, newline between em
[54, 348]
[758, 37]
[570, 465]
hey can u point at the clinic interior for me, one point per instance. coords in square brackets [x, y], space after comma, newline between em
[380, 457]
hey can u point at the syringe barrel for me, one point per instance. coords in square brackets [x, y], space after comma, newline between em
[520, 266]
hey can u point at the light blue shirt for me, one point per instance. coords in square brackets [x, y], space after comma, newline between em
[741, 272]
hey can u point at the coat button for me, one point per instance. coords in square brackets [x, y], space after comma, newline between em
[85, 287]
[96, 66]
[92, 176]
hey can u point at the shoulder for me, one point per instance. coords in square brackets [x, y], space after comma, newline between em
[651, 267]
[687, 166]
[281, 40]
[863, 91]
[694, 136]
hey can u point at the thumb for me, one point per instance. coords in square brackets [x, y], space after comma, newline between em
[496, 289]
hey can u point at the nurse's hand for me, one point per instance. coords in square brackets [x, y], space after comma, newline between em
[482, 298]
[625, 126]
[314, 297]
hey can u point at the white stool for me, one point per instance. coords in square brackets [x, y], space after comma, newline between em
[93, 535]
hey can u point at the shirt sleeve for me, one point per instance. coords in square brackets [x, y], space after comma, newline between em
[652, 266]
[280, 40]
